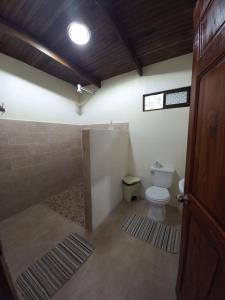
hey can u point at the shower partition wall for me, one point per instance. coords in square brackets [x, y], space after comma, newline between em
[105, 163]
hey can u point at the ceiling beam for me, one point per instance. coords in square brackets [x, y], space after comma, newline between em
[15, 31]
[121, 35]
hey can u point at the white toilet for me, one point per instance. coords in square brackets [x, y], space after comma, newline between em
[158, 194]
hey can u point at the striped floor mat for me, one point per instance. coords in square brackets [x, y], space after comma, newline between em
[45, 277]
[158, 234]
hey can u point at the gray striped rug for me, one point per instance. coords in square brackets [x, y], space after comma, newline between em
[45, 277]
[156, 233]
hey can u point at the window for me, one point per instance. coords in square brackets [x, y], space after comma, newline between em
[154, 101]
[167, 99]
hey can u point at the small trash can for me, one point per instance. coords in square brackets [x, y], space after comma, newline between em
[131, 187]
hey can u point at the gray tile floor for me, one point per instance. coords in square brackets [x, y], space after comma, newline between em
[121, 268]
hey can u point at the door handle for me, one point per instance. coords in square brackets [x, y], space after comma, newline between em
[182, 198]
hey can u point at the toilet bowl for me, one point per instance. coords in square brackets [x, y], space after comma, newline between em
[158, 197]
[158, 194]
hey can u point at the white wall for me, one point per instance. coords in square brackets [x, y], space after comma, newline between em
[109, 164]
[32, 95]
[156, 135]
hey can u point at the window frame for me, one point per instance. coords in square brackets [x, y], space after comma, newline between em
[166, 106]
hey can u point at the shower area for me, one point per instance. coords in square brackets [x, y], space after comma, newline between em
[73, 170]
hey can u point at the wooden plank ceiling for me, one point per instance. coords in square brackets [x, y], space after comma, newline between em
[125, 35]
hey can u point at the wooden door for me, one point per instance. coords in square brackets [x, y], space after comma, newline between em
[202, 261]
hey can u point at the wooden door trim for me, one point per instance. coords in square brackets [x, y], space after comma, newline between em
[191, 131]
[190, 153]
[184, 242]
[200, 13]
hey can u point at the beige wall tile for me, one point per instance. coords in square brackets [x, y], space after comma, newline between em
[38, 161]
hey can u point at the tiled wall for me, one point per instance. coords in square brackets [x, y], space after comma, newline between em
[40, 161]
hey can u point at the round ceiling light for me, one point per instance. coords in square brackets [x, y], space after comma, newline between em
[79, 33]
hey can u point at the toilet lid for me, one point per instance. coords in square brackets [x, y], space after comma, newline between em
[158, 193]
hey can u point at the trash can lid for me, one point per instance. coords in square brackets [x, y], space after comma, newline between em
[130, 180]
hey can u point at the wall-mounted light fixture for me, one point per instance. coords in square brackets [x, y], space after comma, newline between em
[81, 89]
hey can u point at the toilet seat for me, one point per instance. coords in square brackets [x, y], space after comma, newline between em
[157, 194]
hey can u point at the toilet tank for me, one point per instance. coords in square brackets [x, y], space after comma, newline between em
[162, 177]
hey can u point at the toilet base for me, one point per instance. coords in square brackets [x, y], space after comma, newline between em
[157, 213]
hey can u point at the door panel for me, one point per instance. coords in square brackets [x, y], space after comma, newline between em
[201, 273]
[210, 143]
[197, 282]
[211, 25]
